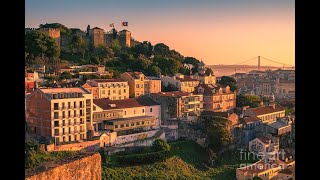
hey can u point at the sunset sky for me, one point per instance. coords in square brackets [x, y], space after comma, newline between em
[216, 31]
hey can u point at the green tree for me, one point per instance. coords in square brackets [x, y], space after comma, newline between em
[65, 75]
[144, 48]
[248, 100]
[218, 136]
[168, 66]
[77, 44]
[230, 81]
[209, 71]
[115, 46]
[160, 145]
[102, 54]
[193, 61]
[40, 44]
[161, 49]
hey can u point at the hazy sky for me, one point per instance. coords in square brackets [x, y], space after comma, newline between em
[216, 31]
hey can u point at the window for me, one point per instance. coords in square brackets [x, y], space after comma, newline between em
[63, 114]
[81, 112]
[124, 97]
[125, 112]
[56, 115]
[121, 125]
[142, 122]
[114, 91]
[119, 91]
[102, 92]
[108, 92]
[63, 106]
[137, 86]
[74, 113]
[141, 78]
[74, 104]
[56, 123]
[150, 109]
[127, 125]
[134, 111]
[132, 124]
[68, 105]
[115, 126]
[141, 85]
[81, 104]
[124, 90]
[142, 110]
[56, 106]
[69, 113]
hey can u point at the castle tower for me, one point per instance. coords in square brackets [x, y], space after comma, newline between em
[96, 36]
[125, 37]
[201, 68]
[54, 33]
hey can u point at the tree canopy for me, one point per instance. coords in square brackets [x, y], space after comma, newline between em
[230, 81]
[40, 44]
[248, 100]
[218, 136]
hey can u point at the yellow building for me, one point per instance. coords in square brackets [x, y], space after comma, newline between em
[136, 82]
[113, 89]
[152, 85]
[217, 98]
[64, 114]
[182, 82]
[268, 114]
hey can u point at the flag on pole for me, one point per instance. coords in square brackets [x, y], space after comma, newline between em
[124, 23]
[111, 25]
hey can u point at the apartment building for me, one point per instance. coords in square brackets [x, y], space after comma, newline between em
[63, 114]
[127, 116]
[178, 105]
[113, 89]
[268, 114]
[152, 85]
[136, 82]
[182, 82]
[217, 98]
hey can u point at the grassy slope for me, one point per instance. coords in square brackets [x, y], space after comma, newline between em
[187, 163]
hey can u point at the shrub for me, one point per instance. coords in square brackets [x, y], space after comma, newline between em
[133, 159]
[160, 145]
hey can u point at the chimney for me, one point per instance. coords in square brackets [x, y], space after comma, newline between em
[273, 105]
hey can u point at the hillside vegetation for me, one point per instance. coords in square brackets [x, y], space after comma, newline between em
[187, 162]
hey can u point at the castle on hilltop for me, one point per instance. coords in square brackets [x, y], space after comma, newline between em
[92, 36]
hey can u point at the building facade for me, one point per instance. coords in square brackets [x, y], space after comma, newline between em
[178, 105]
[268, 114]
[63, 114]
[136, 81]
[216, 97]
[113, 89]
[127, 116]
[182, 82]
[152, 85]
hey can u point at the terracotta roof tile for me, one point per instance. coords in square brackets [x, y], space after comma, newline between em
[266, 110]
[107, 80]
[249, 119]
[62, 90]
[104, 103]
